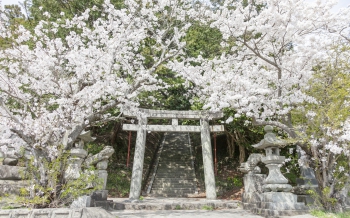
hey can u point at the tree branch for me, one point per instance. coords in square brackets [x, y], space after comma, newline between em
[282, 126]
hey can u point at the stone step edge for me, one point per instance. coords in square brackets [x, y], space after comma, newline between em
[57, 212]
[172, 206]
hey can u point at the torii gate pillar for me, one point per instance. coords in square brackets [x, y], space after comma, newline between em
[142, 128]
[136, 178]
[208, 165]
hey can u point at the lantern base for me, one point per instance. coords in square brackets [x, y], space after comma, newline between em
[277, 188]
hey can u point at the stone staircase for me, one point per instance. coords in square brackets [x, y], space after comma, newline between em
[175, 174]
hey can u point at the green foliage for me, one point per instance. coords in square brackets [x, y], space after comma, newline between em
[322, 123]
[94, 148]
[235, 181]
[13, 12]
[57, 192]
[174, 97]
[290, 169]
[118, 182]
[322, 199]
[69, 8]
[324, 214]
[203, 40]
[15, 18]
[8, 207]
[207, 207]
[178, 207]
[240, 133]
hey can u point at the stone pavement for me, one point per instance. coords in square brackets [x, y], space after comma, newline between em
[225, 213]
[151, 203]
[183, 207]
[147, 208]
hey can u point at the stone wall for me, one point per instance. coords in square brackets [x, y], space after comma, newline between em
[57, 213]
[11, 179]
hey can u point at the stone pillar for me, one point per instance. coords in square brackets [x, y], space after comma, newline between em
[208, 160]
[137, 169]
[102, 172]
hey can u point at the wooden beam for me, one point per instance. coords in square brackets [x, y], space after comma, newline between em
[171, 114]
[170, 128]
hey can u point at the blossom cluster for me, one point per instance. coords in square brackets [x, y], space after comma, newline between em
[51, 85]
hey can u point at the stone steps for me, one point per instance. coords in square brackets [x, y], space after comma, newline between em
[171, 195]
[177, 171]
[275, 213]
[175, 168]
[174, 150]
[175, 160]
[172, 204]
[167, 185]
[174, 164]
[173, 190]
[174, 181]
[175, 176]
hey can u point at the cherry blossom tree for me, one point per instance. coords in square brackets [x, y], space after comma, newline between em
[325, 126]
[52, 88]
[276, 44]
[274, 47]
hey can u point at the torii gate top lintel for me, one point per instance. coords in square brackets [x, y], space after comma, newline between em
[172, 114]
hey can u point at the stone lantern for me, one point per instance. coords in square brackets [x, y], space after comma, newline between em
[76, 160]
[276, 199]
[275, 181]
[77, 155]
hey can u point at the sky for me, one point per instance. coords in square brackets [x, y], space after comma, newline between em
[341, 3]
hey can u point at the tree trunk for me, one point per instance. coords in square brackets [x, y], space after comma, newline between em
[230, 144]
[239, 140]
[241, 153]
[114, 134]
[39, 163]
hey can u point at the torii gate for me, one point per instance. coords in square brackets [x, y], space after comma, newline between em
[142, 128]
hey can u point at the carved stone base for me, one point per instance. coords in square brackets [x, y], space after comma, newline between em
[275, 204]
[100, 195]
[253, 182]
[95, 199]
[81, 202]
[252, 190]
[250, 200]
[277, 187]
